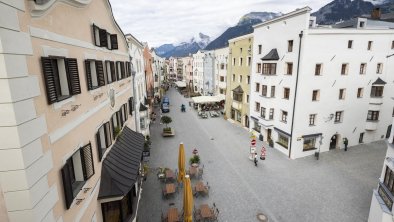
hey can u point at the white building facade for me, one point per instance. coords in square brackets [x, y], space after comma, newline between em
[198, 71]
[221, 60]
[311, 87]
[209, 74]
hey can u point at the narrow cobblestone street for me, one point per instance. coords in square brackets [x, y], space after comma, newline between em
[338, 187]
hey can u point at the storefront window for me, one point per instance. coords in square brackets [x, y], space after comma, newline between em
[121, 210]
[238, 116]
[257, 126]
[283, 140]
[309, 143]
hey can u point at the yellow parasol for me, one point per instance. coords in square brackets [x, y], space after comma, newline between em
[187, 200]
[181, 163]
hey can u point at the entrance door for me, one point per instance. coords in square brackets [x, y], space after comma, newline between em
[268, 134]
[246, 121]
[333, 142]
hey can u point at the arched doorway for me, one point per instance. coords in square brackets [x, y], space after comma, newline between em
[334, 141]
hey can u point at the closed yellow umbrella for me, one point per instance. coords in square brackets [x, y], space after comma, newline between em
[187, 200]
[181, 163]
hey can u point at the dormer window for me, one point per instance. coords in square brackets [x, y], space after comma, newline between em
[362, 24]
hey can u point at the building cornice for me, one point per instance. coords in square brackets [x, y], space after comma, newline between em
[241, 37]
[285, 16]
[38, 10]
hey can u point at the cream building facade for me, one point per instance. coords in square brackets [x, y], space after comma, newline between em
[238, 80]
[198, 71]
[65, 94]
[221, 66]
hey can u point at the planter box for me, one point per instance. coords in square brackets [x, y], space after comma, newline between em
[168, 133]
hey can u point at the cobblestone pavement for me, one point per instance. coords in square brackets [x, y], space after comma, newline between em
[337, 187]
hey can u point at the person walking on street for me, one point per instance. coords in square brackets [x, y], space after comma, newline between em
[345, 142]
[255, 159]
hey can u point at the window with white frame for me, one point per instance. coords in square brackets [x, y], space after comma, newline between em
[309, 143]
[342, 93]
[103, 139]
[258, 70]
[271, 114]
[316, 95]
[257, 107]
[363, 68]
[312, 118]
[379, 68]
[373, 115]
[284, 116]
[283, 140]
[344, 69]
[360, 92]
[262, 114]
[338, 117]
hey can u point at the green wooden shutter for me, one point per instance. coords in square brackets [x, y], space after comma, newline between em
[87, 161]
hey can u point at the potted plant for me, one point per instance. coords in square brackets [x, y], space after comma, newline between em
[167, 131]
[195, 159]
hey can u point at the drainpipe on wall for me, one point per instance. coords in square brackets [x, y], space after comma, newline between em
[295, 93]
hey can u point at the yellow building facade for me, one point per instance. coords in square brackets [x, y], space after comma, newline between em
[238, 79]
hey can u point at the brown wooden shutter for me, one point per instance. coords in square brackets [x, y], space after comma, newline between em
[103, 37]
[106, 64]
[72, 70]
[68, 190]
[113, 73]
[88, 75]
[122, 71]
[49, 79]
[100, 73]
[128, 73]
[113, 125]
[131, 107]
[87, 161]
[114, 41]
[94, 27]
[126, 114]
[98, 143]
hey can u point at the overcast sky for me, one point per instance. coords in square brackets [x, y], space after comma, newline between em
[172, 21]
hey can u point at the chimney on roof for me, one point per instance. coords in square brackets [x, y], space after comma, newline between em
[376, 13]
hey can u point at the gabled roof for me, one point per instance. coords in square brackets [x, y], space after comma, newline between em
[272, 55]
[379, 81]
[120, 167]
[238, 90]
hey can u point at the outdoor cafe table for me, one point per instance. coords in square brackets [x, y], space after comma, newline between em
[170, 174]
[173, 215]
[193, 171]
[200, 187]
[206, 211]
[170, 188]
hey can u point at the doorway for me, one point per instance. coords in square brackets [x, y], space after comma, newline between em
[247, 121]
[268, 134]
[333, 142]
[388, 131]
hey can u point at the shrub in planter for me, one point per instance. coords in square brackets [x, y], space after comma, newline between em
[194, 159]
[166, 120]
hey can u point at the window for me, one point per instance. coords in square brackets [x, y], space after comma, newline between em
[284, 116]
[271, 114]
[309, 143]
[240, 61]
[377, 91]
[272, 91]
[257, 107]
[262, 114]
[222, 66]
[318, 69]
[360, 92]
[237, 97]
[342, 93]
[257, 87]
[312, 118]
[110, 71]
[233, 77]
[387, 186]
[249, 60]
[289, 68]
[104, 39]
[362, 24]
[247, 98]
[264, 90]
[259, 46]
[369, 47]
[373, 115]
[379, 68]
[363, 68]
[350, 44]
[240, 50]
[120, 70]
[142, 123]
[61, 78]
[338, 117]
[77, 170]
[286, 93]
[257, 126]
[290, 46]
[258, 67]
[94, 74]
[103, 139]
[233, 61]
[238, 116]
[131, 105]
[115, 124]
[344, 69]
[315, 95]
[283, 140]
[120, 210]
[221, 78]
[269, 69]
[392, 44]
[240, 78]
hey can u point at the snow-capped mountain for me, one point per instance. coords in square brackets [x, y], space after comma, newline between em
[184, 48]
[261, 16]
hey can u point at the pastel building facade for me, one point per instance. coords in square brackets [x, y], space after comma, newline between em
[209, 73]
[307, 97]
[238, 80]
[221, 66]
[66, 93]
[198, 71]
